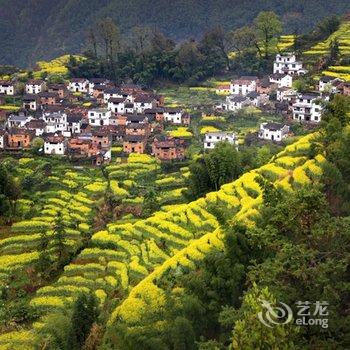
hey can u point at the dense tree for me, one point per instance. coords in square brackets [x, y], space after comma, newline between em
[84, 314]
[268, 27]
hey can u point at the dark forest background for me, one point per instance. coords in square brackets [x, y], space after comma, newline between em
[42, 29]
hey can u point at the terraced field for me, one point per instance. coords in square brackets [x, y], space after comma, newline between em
[125, 264]
[322, 49]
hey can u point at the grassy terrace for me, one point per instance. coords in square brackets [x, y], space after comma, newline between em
[125, 263]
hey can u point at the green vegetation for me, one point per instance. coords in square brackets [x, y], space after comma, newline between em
[28, 22]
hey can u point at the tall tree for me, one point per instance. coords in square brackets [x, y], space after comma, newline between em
[85, 313]
[268, 27]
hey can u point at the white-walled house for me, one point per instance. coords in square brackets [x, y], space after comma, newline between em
[273, 131]
[172, 115]
[243, 85]
[74, 122]
[235, 102]
[99, 116]
[78, 85]
[7, 88]
[211, 139]
[288, 64]
[117, 105]
[56, 121]
[30, 102]
[285, 94]
[55, 145]
[17, 121]
[95, 82]
[281, 79]
[329, 84]
[141, 103]
[112, 93]
[35, 86]
[308, 107]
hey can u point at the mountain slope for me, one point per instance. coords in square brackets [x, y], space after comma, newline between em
[123, 262]
[42, 29]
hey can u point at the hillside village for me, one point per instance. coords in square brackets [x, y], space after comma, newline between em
[85, 118]
[161, 195]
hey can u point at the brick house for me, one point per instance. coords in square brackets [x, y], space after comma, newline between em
[168, 148]
[19, 138]
[140, 129]
[156, 113]
[134, 144]
[101, 139]
[37, 125]
[59, 89]
[48, 98]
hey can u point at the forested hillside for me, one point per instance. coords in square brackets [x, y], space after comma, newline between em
[42, 29]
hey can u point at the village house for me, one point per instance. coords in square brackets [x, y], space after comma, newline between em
[264, 86]
[112, 93]
[235, 103]
[287, 64]
[142, 102]
[55, 145]
[243, 85]
[136, 118]
[55, 122]
[281, 80]
[141, 129]
[168, 148]
[7, 88]
[129, 108]
[98, 92]
[37, 125]
[156, 113]
[121, 119]
[223, 89]
[74, 121]
[307, 107]
[35, 86]
[117, 105]
[78, 85]
[273, 131]
[330, 84]
[59, 89]
[101, 139]
[286, 94]
[17, 121]
[19, 138]
[116, 132]
[256, 99]
[30, 102]
[172, 115]
[134, 144]
[96, 83]
[49, 98]
[211, 139]
[99, 116]
[3, 138]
